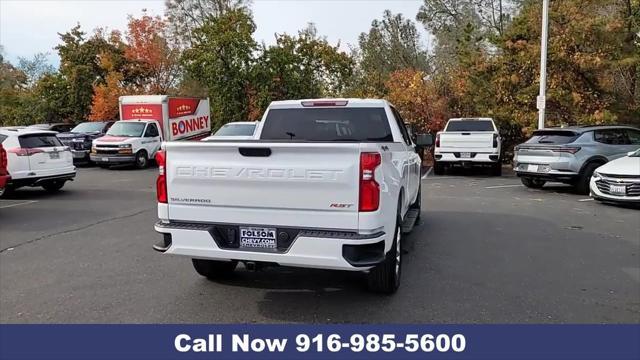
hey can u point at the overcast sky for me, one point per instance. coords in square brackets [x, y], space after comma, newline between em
[31, 26]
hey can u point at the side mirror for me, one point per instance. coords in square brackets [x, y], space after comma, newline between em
[424, 140]
[631, 153]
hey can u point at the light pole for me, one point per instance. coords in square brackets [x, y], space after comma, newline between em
[542, 97]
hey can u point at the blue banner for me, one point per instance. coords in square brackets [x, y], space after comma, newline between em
[320, 342]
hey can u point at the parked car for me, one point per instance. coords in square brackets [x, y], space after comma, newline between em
[36, 158]
[240, 130]
[57, 127]
[80, 138]
[468, 142]
[618, 180]
[146, 121]
[330, 184]
[571, 155]
[4, 173]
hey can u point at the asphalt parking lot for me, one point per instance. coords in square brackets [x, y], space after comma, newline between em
[488, 250]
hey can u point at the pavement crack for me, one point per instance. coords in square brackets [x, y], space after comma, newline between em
[72, 230]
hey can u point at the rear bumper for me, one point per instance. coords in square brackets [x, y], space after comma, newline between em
[38, 180]
[476, 157]
[310, 249]
[112, 159]
[4, 179]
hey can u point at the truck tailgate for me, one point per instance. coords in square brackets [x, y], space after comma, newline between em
[470, 141]
[264, 183]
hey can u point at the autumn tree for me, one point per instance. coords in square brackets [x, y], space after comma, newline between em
[417, 99]
[151, 55]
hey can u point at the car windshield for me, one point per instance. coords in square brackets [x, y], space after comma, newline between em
[87, 127]
[128, 129]
[236, 130]
[328, 124]
[470, 125]
[552, 137]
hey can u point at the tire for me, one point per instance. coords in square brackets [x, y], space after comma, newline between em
[581, 186]
[142, 161]
[212, 269]
[53, 186]
[532, 183]
[438, 168]
[496, 169]
[385, 277]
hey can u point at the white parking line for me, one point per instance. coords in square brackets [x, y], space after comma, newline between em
[502, 186]
[427, 173]
[584, 200]
[18, 204]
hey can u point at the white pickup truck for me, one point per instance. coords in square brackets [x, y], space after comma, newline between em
[467, 142]
[330, 183]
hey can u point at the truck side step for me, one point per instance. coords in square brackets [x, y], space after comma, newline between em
[410, 221]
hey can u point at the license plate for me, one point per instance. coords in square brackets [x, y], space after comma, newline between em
[258, 238]
[618, 189]
[465, 155]
[78, 155]
[54, 155]
[532, 168]
[105, 159]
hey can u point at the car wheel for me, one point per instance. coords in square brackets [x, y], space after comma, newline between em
[212, 269]
[53, 186]
[581, 186]
[532, 183]
[496, 169]
[438, 168]
[141, 159]
[385, 277]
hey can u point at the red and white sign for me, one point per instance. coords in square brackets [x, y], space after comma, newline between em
[182, 106]
[179, 118]
[141, 111]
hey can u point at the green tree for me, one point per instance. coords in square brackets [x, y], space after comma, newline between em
[391, 44]
[221, 59]
[298, 67]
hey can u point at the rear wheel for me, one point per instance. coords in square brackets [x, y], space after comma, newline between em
[438, 168]
[212, 269]
[141, 159]
[385, 277]
[532, 183]
[496, 169]
[54, 185]
[582, 184]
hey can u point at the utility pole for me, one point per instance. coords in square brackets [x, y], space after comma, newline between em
[542, 98]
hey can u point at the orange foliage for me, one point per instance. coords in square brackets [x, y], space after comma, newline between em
[105, 98]
[417, 99]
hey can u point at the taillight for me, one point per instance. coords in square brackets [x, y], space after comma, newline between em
[3, 159]
[495, 140]
[569, 150]
[24, 152]
[438, 140]
[161, 182]
[324, 103]
[369, 188]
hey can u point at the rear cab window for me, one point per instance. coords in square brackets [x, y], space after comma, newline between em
[557, 137]
[366, 124]
[469, 125]
[31, 141]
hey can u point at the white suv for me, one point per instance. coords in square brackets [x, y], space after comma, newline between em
[36, 158]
